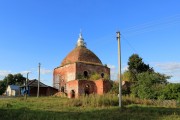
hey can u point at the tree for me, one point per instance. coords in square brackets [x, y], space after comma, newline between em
[2, 87]
[149, 85]
[126, 76]
[16, 79]
[171, 91]
[19, 79]
[136, 66]
[115, 87]
[9, 79]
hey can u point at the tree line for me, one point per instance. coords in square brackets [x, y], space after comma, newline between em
[10, 79]
[146, 83]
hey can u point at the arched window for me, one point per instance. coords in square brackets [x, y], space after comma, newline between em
[85, 74]
[102, 75]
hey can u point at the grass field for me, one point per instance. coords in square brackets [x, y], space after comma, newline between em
[85, 108]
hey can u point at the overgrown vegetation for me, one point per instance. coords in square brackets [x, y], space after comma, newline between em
[108, 100]
[89, 107]
[148, 84]
[96, 76]
[93, 76]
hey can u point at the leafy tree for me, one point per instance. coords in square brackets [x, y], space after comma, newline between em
[2, 87]
[126, 76]
[10, 79]
[149, 85]
[19, 79]
[16, 79]
[171, 91]
[136, 66]
[115, 87]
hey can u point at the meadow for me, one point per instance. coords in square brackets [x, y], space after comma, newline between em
[93, 107]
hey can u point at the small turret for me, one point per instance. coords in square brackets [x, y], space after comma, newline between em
[80, 42]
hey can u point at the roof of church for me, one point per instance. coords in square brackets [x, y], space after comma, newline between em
[81, 54]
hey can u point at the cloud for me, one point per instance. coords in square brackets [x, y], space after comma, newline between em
[111, 66]
[171, 69]
[45, 71]
[125, 68]
[35, 70]
[114, 71]
[170, 66]
[4, 73]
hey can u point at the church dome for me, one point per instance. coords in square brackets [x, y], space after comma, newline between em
[81, 54]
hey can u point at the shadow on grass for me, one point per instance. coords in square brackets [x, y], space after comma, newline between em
[127, 113]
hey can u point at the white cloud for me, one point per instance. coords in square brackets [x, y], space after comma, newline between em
[125, 68]
[4, 73]
[170, 66]
[171, 69]
[114, 71]
[111, 66]
[46, 71]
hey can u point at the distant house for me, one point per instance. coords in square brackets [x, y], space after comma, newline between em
[12, 90]
[32, 87]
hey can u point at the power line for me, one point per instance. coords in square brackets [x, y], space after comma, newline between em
[153, 25]
[133, 48]
[126, 40]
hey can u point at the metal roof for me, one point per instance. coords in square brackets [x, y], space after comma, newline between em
[34, 83]
[14, 87]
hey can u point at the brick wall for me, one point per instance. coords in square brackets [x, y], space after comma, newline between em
[103, 86]
[72, 85]
[64, 74]
[67, 77]
[91, 68]
[94, 87]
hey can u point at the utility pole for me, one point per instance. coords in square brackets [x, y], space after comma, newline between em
[119, 69]
[27, 90]
[38, 79]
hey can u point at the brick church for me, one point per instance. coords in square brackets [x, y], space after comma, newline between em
[81, 73]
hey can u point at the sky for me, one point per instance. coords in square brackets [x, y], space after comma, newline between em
[45, 31]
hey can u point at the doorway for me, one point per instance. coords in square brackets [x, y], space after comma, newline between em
[87, 90]
[72, 94]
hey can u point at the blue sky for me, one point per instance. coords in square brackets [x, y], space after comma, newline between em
[45, 31]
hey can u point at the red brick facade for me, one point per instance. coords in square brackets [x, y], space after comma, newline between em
[75, 74]
[81, 87]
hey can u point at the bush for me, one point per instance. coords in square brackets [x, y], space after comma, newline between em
[171, 91]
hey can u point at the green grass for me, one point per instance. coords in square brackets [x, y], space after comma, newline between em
[85, 108]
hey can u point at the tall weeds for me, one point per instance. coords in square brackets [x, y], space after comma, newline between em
[105, 100]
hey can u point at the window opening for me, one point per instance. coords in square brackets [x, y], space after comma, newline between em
[102, 75]
[85, 74]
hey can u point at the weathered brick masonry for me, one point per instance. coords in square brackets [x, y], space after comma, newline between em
[74, 75]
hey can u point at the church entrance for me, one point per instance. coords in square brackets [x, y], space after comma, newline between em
[87, 90]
